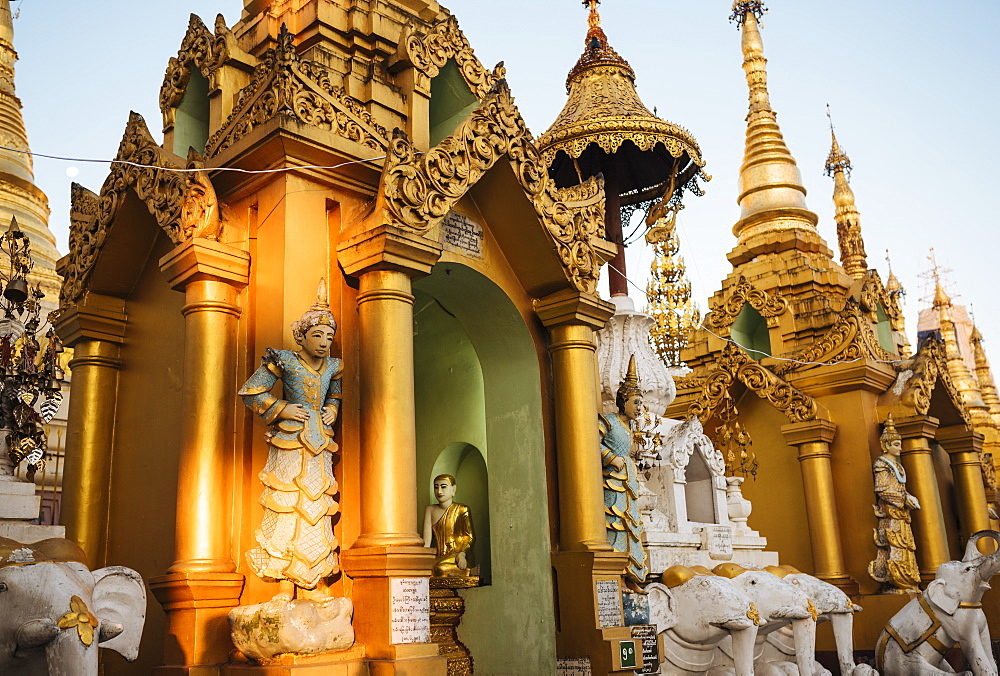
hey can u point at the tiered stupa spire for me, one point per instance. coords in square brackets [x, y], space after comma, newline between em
[19, 196]
[852, 245]
[668, 291]
[965, 383]
[606, 129]
[984, 374]
[896, 293]
[774, 216]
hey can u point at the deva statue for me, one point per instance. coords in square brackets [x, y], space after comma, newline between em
[895, 565]
[621, 481]
[451, 526]
[295, 541]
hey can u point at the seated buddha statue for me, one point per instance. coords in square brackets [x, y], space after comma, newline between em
[449, 525]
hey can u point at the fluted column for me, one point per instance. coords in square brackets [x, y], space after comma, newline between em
[921, 482]
[812, 439]
[95, 330]
[385, 260]
[964, 446]
[202, 585]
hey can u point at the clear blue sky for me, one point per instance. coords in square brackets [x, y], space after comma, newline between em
[913, 86]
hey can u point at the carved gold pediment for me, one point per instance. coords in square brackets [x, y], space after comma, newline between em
[923, 373]
[417, 190]
[183, 203]
[429, 52]
[873, 294]
[735, 365]
[851, 338]
[285, 85]
[202, 50]
[768, 305]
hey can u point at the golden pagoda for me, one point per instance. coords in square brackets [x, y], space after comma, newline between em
[605, 129]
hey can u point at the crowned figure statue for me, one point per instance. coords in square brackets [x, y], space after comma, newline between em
[895, 565]
[295, 541]
[621, 482]
[450, 524]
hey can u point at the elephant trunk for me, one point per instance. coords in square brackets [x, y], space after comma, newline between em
[69, 656]
[804, 632]
[972, 552]
[743, 649]
[35, 634]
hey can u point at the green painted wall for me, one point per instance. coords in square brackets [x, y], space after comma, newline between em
[750, 331]
[508, 626]
[191, 116]
[451, 102]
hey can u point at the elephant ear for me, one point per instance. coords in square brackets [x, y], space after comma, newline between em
[120, 597]
[942, 596]
[661, 607]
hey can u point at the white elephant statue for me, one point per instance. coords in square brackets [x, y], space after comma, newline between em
[780, 604]
[56, 611]
[949, 611]
[693, 611]
[831, 605]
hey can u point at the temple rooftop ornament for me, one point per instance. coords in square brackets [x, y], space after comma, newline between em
[606, 129]
[852, 245]
[774, 216]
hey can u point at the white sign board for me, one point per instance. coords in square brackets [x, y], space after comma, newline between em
[609, 604]
[718, 540]
[411, 609]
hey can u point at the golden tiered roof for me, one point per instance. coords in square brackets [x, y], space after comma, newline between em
[603, 115]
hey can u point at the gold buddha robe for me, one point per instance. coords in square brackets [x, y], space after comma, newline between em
[895, 565]
[452, 535]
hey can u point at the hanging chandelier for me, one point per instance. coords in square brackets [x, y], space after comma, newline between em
[30, 377]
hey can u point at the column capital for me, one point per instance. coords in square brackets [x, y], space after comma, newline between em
[199, 259]
[916, 426]
[810, 431]
[387, 247]
[98, 317]
[573, 307]
[959, 439]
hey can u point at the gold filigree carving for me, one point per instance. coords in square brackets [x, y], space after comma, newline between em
[445, 40]
[850, 339]
[199, 49]
[873, 294]
[734, 365]
[284, 85]
[767, 305]
[929, 367]
[418, 191]
[183, 204]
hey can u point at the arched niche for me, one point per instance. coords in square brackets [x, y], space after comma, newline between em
[477, 382]
[699, 491]
[451, 101]
[191, 116]
[883, 329]
[468, 466]
[750, 332]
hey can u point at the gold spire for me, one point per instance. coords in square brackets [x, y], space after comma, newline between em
[941, 298]
[852, 246]
[668, 291]
[984, 374]
[966, 385]
[771, 194]
[896, 293]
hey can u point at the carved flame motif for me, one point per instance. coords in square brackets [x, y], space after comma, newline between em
[768, 305]
[445, 40]
[417, 192]
[284, 85]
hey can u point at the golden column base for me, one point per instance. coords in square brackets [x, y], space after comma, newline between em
[372, 569]
[813, 438]
[921, 481]
[447, 608]
[197, 629]
[578, 630]
[964, 447]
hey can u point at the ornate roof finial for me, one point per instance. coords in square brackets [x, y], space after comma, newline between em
[892, 285]
[668, 291]
[771, 194]
[852, 245]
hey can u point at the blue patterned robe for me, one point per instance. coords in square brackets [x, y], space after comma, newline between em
[621, 492]
[295, 540]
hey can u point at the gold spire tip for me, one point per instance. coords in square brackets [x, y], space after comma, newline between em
[742, 7]
[837, 160]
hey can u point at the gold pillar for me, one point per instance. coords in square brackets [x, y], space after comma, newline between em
[571, 318]
[584, 557]
[964, 446]
[921, 481]
[385, 259]
[812, 438]
[95, 331]
[201, 585]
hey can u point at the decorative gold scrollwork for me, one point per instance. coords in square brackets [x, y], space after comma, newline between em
[283, 85]
[445, 40]
[768, 305]
[199, 49]
[418, 191]
[735, 364]
[929, 366]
